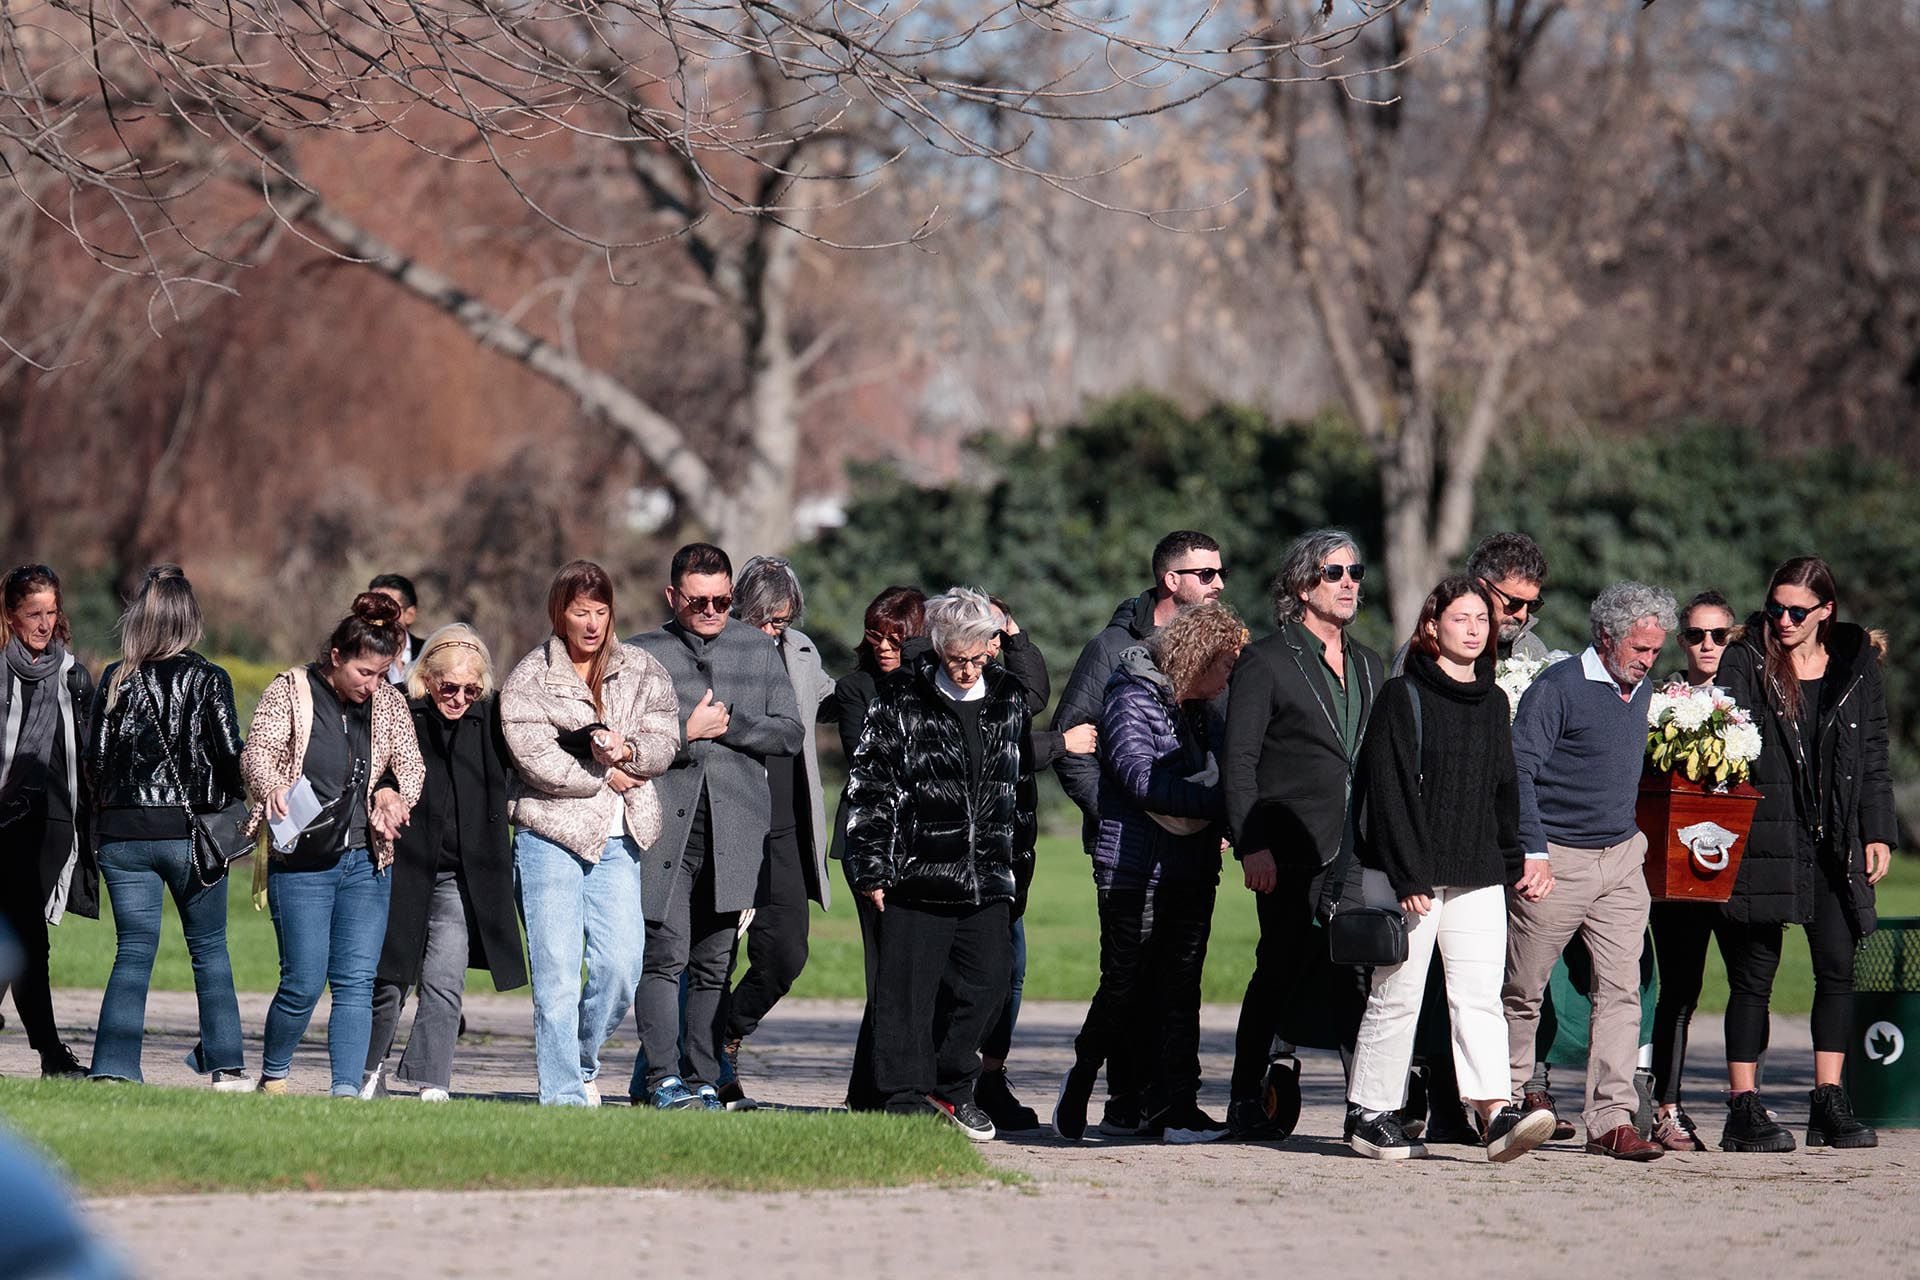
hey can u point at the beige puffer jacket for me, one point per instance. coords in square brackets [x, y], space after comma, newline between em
[561, 797]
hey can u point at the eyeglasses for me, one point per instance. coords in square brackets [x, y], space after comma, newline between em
[706, 604]
[1515, 605]
[1206, 574]
[882, 640]
[1694, 635]
[1334, 572]
[1795, 611]
[778, 624]
[976, 663]
[450, 689]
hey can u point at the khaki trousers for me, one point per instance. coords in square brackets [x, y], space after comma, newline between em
[1600, 894]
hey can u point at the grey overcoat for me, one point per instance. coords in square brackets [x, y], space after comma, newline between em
[811, 684]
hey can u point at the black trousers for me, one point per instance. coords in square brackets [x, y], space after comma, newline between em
[940, 980]
[698, 941]
[1752, 952]
[1681, 931]
[23, 905]
[1144, 1022]
[862, 1094]
[1296, 991]
[777, 938]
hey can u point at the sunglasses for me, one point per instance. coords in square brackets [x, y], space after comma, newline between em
[1694, 635]
[450, 690]
[1206, 575]
[882, 640]
[977, 663]
[1795, 611]
[780, 623]
[1334, 572]
[706, 604]
[1514, 605]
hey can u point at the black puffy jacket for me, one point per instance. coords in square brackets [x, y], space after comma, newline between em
[917, 825]
[1833, 811]
[126, 760]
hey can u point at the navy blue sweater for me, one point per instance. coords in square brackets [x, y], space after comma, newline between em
[1578, 748]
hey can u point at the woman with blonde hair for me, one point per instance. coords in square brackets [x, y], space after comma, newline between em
[1156, 866]
[337, 726]
[165, 746]
[590, 723]
[452, 905]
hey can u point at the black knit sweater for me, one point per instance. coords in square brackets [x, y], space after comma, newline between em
[1452, 818]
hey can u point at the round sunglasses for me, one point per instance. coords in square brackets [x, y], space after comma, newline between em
[1798, 612]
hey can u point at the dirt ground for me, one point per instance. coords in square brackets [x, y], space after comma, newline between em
[1095, 1210]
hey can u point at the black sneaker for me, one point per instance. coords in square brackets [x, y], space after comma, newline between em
[1070, 1108]
[1382, 1137]
[1185, 1123]
[1513, 1133]
[995, 1097]
[1449, 1124]
[1749, 1128]
[61, 1064]
[1832, 1123]
[966, 1117]
[1134, 1120]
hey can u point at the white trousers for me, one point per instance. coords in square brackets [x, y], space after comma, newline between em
[1470, 928]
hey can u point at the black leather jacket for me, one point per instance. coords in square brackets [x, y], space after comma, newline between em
[126, 760]
[918, 825]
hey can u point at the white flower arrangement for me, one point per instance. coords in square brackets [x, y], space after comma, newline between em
[1514, 675]
[1701, 733]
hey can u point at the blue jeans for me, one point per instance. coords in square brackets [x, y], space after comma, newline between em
[575, 911]
[330, 925]
[136, 872]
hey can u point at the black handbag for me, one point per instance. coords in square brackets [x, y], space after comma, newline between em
[220, 838]
[1367, 926]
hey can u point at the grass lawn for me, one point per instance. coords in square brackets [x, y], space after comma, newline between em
[126, 1140]
[1062, 940]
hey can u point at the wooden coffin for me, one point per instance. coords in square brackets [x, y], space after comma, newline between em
[1668, 804]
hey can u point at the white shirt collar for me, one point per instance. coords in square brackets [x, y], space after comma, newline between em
[954, 693]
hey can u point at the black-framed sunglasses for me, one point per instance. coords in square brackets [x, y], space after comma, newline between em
[1513, 604]
[706, 604]
[1206, 574]
[1335, 572]
[1694, 635]
[1798, 612]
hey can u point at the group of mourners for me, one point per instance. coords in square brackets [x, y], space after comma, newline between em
[641, 806]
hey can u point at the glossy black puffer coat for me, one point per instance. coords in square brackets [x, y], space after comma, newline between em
[196, 720]
[918, 826]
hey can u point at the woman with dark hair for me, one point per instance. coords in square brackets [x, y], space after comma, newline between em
[1442, 806]
[1156, 867]
[894, 620]
[165, 742]
[1681, 930]
[46, 869]
[590, 723]
[338, 727]
[453, 904]
[1822, 837]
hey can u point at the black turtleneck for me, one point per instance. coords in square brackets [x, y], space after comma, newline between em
[1451, 818]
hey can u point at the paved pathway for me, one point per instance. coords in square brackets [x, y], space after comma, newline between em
[1095, 1210]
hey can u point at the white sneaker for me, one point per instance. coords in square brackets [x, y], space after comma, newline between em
[431, 1094]
[374, 1084]
[593, 1093]
[232, 1082]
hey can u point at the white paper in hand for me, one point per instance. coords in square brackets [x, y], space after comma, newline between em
[303, 806]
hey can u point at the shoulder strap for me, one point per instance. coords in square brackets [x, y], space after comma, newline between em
[166, 748]
[1419, 751]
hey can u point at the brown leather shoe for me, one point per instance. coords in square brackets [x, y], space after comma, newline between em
[1624, 1143]
[1541, 1100]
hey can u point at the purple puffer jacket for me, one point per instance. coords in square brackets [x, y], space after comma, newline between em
[1155, 758]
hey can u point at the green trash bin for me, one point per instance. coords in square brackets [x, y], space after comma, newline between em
[1883, 1061]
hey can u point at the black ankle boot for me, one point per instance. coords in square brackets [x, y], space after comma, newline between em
[1832, 1122]
[994, 1096]
[1750, 1128]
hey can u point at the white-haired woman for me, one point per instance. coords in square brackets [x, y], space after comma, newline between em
[936, 815]
[165, 742]
[452, 905]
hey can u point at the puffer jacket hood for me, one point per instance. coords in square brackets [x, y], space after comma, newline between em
[918, 825]
[1828, 798]
[1155, 758]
